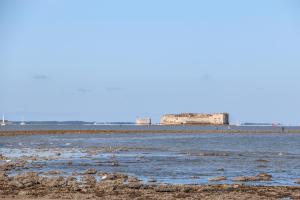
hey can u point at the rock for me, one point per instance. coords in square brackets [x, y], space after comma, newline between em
[236, 186]
[261, 166]
[297, 180]
[55, 182]
[16, 184]
[229, 187]
[22, 192]
[243, 178]
[115, 163]
[70, 179]
[133, 180]
[3, 176]
[104, 177]
[92, 153]
[52, 172]
[261, 160]
[187, 189]
[209, 154]
[2, 157]
[151, 180]
[27, 179]
[264, 177]
[72, 184]
[6, 166]
[164, 188]
[20, 164]
[74, 173]
[90, 171]
[84, 164]
[239, 178]
[26, 158]
[295, 196]
[88, 180]
[114, 176]
[134, 186]
[259, 177]
[219, 178]
[38, 166]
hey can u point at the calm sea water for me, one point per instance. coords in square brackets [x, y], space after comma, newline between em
[168, 158]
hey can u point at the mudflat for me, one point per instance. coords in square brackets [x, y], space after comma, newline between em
[121, 186]
[149, 166]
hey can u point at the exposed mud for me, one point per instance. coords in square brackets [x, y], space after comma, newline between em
[91, 184]
[120, 186]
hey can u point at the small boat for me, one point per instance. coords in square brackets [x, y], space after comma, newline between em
[3, 121]
[22, 122]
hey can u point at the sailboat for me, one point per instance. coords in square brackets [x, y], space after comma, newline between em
[3, 121]
[22, 122]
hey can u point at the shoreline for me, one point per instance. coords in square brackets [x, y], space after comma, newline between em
[60, 132]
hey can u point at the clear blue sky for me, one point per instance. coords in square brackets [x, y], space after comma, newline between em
[115, 60]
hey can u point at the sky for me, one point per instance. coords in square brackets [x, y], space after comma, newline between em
[116, 60]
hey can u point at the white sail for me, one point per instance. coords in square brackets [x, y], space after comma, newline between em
[22, 122]
[3, 121]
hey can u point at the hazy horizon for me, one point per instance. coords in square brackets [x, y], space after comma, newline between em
[116, 60]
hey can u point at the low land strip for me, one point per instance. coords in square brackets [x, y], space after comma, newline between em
[50, 132]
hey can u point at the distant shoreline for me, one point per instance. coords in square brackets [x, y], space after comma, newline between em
[59, 132]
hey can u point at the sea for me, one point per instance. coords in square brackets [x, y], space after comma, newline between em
[177, 158]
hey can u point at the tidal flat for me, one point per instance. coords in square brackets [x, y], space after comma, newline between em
[145, 166]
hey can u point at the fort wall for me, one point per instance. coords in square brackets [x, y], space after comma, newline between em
[195, 118]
